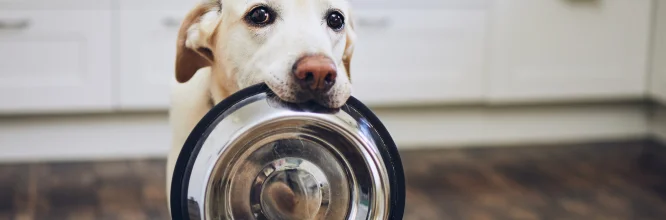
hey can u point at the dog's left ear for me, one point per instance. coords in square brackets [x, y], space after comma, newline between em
[349, 46]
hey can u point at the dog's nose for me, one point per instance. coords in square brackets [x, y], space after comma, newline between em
[315, 73]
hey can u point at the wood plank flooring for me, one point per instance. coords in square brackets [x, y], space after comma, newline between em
[591, 181]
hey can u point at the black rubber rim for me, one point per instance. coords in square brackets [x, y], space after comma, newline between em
[185, 161]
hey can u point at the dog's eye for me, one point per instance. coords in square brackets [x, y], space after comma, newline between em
[335, 20]
[260, 16]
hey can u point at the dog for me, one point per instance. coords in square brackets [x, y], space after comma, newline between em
[301, 49]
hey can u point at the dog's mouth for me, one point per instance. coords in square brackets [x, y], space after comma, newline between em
[306, 99]
[307, 106]
[321, 99]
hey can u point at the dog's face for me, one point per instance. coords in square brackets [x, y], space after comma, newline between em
[300, 48]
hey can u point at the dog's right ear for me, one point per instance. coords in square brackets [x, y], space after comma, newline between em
[195, 40]
[349, 46]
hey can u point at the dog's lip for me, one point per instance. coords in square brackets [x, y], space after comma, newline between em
[297, 96]
[304, 98]
[310, 106]
[310, 99]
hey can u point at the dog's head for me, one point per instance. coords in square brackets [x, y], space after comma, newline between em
[300, 48]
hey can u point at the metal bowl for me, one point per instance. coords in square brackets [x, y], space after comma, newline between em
[256, 157]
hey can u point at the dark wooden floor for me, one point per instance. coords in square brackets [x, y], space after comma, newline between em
[593, 181]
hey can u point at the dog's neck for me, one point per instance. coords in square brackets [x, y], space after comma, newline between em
[221, 86]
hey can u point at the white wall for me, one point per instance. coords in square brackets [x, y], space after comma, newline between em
[658, 72]
[658, 78]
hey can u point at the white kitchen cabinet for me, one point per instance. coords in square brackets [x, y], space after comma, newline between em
[80, 55]
[147, 57]
[147, 31]
[55, 60]
[658, 77]
[567, 50]
[419, 55]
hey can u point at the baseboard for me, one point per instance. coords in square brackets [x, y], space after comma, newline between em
[509, 126]
[658, 124]
[146, 135]
[89, 137]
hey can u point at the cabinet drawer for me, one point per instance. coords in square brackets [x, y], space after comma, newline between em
[55, 60]
[557, 49]
[148, 31]
[419, 56]
[55, 4]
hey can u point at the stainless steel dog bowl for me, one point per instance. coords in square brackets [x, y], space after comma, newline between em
[256, 157]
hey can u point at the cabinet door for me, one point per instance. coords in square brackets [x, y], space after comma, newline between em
[147, 57]
[562, 49]
[148, 30]
[419, 56]
[55, 60]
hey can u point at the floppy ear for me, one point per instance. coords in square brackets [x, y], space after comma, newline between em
[195, 40]
[349, 46]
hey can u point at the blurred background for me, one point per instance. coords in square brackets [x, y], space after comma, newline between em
[502, 109]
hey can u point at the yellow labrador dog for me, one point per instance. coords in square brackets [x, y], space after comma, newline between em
[300, 48]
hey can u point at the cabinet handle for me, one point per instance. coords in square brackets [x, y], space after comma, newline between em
[171, 22]
[19, 24]
[381, 22]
